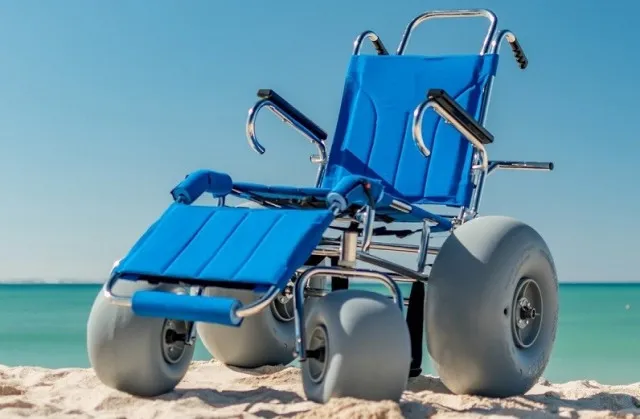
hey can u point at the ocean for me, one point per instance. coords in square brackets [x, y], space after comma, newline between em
[598, 335]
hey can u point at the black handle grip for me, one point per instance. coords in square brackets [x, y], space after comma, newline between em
[380, 48]
[293, 112]
[518, 53]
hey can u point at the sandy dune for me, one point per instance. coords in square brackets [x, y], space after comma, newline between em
[211, 390]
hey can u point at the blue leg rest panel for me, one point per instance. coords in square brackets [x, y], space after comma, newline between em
[242, 246]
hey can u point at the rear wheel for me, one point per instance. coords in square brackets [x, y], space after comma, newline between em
[491, 310]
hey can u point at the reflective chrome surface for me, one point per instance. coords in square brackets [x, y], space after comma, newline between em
[424, 246]
[504, 34]
[392, 247]
[519, 165]
[243, 311]
[301, 284]
[258, 305]
[392, 266]
[442, 14]
[320, 158]
[418, 116]
[370, 35]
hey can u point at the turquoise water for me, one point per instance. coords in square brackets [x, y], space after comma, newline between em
[598, 335]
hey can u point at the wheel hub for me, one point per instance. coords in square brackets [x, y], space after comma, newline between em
[526, 313]
[282, 306]
[317, 351]
[174, 336]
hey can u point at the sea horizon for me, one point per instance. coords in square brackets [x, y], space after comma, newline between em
[63, 281]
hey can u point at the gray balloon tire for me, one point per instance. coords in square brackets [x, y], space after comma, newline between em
[125, 350]
[368, 353]
[469, 307]
[260, 340]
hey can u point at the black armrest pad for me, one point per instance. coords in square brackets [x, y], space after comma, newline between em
[295, 114]
[461, 116]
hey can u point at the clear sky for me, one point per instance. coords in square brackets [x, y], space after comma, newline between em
[104, 106]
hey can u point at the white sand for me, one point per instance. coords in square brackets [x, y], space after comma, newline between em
[211, 390]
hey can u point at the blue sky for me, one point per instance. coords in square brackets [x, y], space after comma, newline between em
[104, 106]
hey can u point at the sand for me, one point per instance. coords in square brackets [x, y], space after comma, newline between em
[211, 390]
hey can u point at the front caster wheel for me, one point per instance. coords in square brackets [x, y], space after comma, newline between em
[492, 308]
[142, 356]
[358, 346]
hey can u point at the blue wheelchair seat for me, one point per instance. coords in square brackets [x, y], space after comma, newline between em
[373, 142]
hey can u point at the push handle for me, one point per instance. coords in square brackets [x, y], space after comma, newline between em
[445, 14]
[379, 46]
[518, 52]
[375, 40]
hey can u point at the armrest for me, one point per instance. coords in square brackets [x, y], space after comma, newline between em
[201, 181]
[293, 117]
[292, 112]
[454, 113]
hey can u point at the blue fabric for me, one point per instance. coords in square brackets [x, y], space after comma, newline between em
[250, 246]
[351, 190]
[219, 310]
[201, 181]
[373, 135]
[417, 214]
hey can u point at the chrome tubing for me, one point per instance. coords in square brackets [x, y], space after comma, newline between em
[480, 178]
[243, 311]
[392, 266]
[519, 165]
[418, 116]
[370, 215]
[392, 247]
[113, 298]
[303, 281]
[440, 14]
[425, 235]
[320, 158]
[375, 40]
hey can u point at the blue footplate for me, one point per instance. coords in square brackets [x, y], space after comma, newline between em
[250, 248]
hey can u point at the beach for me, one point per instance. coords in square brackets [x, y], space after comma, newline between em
[43, 369]
[212, 390]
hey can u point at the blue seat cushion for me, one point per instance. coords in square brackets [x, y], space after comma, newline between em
[259, 247]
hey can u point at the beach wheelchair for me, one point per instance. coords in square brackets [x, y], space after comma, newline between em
[273, 280]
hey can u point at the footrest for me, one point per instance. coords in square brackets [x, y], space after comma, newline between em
[219, 310]
[247, 246]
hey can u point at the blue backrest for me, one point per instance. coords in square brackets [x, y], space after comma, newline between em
[373, 134]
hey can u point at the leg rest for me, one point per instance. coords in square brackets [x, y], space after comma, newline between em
[257, 249]
[239, 246]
